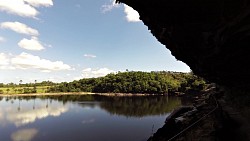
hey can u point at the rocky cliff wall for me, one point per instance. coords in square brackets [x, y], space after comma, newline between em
[211, 36]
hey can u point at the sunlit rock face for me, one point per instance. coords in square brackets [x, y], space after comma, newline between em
[211, 36]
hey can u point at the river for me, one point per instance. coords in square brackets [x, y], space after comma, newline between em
[83, 118]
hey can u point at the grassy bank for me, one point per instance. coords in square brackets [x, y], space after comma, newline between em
[44, 94]
[20, 90]
[75, 93]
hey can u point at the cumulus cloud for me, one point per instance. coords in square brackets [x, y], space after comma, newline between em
[90, 73]
[3, 59]
[19, 28]
[2, 39]
[24, 134]
[48, 45]
[29, 61]
[18, 7]
[89, 56]
[58, 79]
[5, 62]
[24, 8]
[39, 3]
[32, 44]
[131, 14]
[108, 7]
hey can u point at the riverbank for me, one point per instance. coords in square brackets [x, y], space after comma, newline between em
[76, 93]
[210, 118]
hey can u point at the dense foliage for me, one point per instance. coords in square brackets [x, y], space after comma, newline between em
[135, 82]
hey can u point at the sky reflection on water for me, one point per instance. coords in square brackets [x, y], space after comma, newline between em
[82, 118]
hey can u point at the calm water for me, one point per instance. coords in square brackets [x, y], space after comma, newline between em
[83, 118]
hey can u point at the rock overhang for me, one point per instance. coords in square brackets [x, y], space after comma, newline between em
[211, 36]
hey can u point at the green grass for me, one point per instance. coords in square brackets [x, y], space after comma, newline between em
[14, 90]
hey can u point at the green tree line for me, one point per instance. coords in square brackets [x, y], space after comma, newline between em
[162, 82]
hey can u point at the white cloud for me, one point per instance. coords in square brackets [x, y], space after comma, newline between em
[108, 7]
[24, 8]
[61, 78]
[5, 62]
[38, 3]
[89, 56]
[18, 7]
[24, 134]
[131, 14]
[32, 44]
[19, 28]
[90, 73]
[2, 39]
[47, 45]
[29, 61]
[4, 59]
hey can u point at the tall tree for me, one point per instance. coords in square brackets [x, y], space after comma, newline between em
[20, 82]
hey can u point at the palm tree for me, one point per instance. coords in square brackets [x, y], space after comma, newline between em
[20, 82]
[35, 86]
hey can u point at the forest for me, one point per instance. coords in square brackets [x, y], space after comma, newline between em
[162, 82]
[135, 82]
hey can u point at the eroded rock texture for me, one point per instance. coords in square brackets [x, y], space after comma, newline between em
[211, 36]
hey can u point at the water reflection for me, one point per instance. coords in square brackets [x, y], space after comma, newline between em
[28, 116]
[24, 134]
[129, 106]
[140, 106]
[88, 118]
[126, 106]
[25, 115]
[88, 121]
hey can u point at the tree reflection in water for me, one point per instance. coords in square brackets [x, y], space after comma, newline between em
[129, 106]
[83, 117]
[140, 106]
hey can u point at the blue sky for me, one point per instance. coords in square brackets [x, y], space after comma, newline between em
[66, 40]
